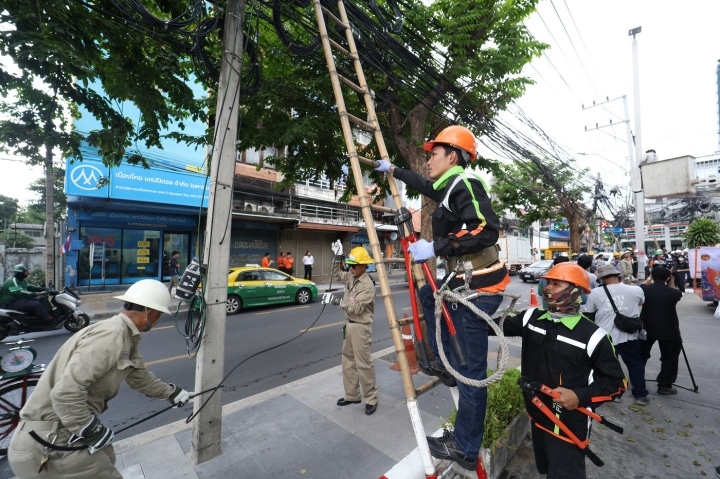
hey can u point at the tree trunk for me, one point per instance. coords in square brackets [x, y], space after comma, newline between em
[49, 219]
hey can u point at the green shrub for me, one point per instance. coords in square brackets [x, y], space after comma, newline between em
[505, 402]
[702, 232]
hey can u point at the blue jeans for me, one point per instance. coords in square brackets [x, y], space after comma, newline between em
[631, 354]
[473, 334]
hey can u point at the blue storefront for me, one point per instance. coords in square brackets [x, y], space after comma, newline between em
[125, 221]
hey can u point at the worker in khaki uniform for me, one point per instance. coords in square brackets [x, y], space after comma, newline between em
[359, 306]
[74, 391]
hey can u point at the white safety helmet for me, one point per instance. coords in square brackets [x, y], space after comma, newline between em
[150, 293]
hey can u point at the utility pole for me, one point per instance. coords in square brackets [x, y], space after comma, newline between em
[209, 368]
[50, 251]
[635, 178]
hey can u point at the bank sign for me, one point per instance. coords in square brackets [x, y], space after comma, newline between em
[135, 183]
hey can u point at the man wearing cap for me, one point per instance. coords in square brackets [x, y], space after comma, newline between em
[627, 299]
[659, 316]
[86, 372]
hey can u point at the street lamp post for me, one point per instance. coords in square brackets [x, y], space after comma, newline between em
[635, 180]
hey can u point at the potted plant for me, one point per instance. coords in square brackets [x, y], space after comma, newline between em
[506, 423]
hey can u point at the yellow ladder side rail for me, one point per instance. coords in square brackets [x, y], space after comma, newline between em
[366, 208]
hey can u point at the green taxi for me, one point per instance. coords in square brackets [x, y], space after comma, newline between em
[254, 286]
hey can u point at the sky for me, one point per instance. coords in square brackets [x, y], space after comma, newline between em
[590, 62]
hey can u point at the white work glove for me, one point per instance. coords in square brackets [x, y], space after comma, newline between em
[94, 435]
[329, 298]
[383, 166]
[179, 396]
[337, 248]
[422, 251]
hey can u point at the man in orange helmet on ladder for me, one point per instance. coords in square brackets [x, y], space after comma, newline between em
[465, 228]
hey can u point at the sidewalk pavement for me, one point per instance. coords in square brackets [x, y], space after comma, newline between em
[297, 430]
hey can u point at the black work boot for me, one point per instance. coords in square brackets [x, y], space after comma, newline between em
[437, 369]
[449, 450]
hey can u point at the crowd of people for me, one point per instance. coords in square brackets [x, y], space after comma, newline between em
[615, 288]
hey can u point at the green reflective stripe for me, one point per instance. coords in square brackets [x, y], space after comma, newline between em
[475, 202]
[569, 321]
[441, 182]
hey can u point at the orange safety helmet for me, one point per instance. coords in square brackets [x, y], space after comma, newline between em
[571, 273]
[458, 137]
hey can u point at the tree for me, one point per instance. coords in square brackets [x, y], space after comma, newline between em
[702, 232]
[8, 210]
[63, 53]
[552, 190]
[454, 61]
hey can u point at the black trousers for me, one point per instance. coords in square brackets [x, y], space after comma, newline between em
[670, 350]
[557, 458]
[308, 272]
[35, 307]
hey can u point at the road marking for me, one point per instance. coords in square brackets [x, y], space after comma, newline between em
[285, 309]
[166, 360]
[162, 327]
[322, 327]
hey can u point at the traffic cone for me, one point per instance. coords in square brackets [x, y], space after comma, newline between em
[533, 297]
[409, 350]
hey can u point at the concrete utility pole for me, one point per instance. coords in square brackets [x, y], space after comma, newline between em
[209, 368]
[635, 179]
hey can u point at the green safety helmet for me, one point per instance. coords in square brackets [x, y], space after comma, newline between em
[20, 268]
[659, 251]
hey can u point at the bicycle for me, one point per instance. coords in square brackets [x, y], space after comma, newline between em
[18, 378]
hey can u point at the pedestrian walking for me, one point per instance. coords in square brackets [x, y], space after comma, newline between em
[358, 303]
[74, 391]
[627, 300]
[465, 228]
[174, 270]
[308, 262]
[660, 319]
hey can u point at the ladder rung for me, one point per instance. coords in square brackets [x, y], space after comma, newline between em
[367, 161]
[352, 84]
[360, 122]
[342, 49]
[332, 15]
[394, 260]
[404, 321]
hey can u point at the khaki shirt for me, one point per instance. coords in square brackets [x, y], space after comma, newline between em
[359, 299]
[87, 372]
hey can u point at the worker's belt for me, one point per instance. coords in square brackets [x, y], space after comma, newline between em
[481, 271]
[476, 261]
[354, 322]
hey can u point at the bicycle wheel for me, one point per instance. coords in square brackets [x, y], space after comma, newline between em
[13, 395]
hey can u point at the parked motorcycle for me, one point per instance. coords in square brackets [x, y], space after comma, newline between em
[65, 313]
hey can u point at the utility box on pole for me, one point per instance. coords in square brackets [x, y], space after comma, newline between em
[209, 369]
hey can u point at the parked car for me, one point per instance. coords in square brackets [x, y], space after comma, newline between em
[254, 286]
[535, 270]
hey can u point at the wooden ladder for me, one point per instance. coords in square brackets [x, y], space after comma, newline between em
[350, 124]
